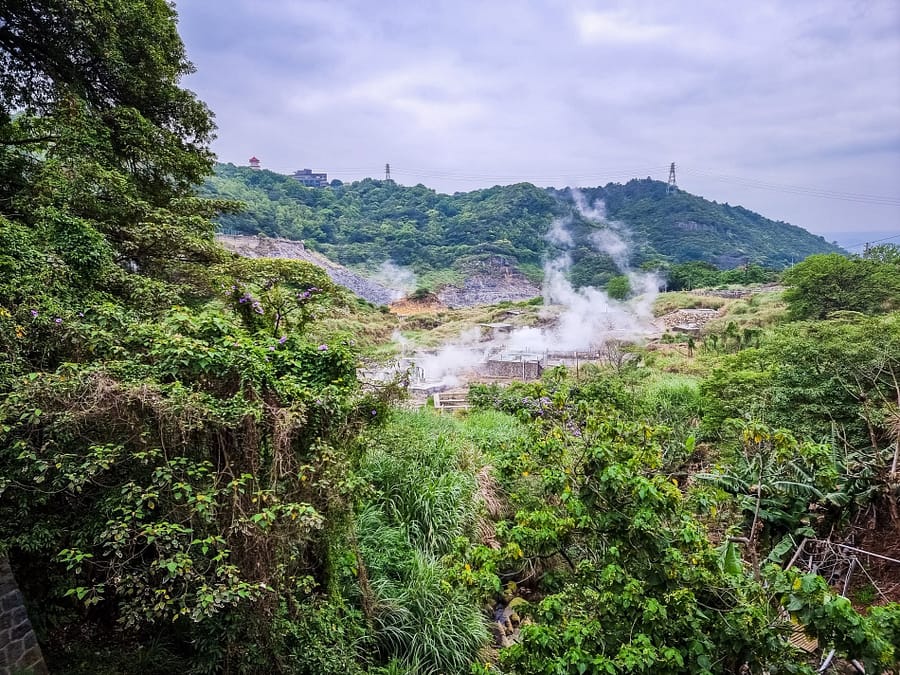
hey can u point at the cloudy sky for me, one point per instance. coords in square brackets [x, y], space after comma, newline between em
[788, 107]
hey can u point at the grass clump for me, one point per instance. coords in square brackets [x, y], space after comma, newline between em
[670, 302]
[423, 469]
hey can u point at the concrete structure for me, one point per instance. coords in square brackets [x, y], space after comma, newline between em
[311, 179]
[20, 653]
[452, 401]
[517, 367]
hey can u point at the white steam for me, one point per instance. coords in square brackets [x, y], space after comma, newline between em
[589, 317]
[586, 318]
[609, 242]
[595, 212]
[559, 235]
[453, 360]
[402, 341]
[399, 280]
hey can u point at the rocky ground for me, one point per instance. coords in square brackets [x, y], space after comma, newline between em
[688, 320]
[266, 247]
[489, 281]
[484, 289]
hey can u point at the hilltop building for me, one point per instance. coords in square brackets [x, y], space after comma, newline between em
[310, 179]
[254, 163]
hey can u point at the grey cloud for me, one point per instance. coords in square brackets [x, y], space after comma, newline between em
[465, 94]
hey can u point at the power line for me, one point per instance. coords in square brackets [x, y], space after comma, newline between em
[874, 241]
[597, 172]
[801, 190]
[598, 175]
[563, 176]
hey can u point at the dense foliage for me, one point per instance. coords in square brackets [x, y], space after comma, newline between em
[372, 221]
[367, 222]
[823, 284]
[699, 274]
[174, 441]
[631, 568]
[193, 478]
[682, 227]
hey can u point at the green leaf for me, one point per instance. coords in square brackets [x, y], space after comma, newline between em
[730, 560]
[777, 554]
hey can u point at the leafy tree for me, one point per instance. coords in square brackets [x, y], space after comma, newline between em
[618, 287]
[627, 577]
[782, 486]
[820, 379]
[99, 145]
[691, 275]
[111, 67]
[823, 284]
[170, 456]
[883, 253]
[631, 581]
[195, 472]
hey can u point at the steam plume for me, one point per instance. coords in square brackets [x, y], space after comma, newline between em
[400, 280]
[586, 318]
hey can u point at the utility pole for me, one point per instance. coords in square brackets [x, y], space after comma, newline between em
[387, 171]
[671, 186]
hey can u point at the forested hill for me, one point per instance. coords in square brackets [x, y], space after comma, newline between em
[369, 221]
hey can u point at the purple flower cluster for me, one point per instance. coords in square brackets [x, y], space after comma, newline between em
[308, 293]
[246, 297]
[573, 429]
[536, 406]
[323, 348]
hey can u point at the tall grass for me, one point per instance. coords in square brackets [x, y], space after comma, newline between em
[423, 622]
[423, 468]
[674, 401]
[673, 396]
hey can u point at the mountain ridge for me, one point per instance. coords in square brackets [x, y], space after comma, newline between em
[368, 222]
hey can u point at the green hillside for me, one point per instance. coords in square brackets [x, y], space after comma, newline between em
[370, 221]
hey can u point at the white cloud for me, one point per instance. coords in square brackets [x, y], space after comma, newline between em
[616, 27]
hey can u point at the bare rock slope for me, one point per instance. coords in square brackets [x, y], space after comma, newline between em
[487, 282]
[266, 247]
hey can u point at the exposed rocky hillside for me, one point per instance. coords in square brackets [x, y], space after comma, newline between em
[265, 247]
[488, 282]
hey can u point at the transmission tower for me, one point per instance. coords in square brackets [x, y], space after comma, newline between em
[387, 171]
[671, 186]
